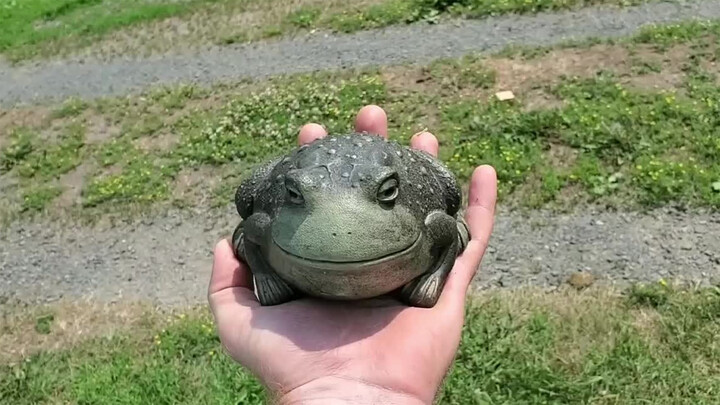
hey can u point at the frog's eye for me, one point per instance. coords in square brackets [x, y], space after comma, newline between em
[294, 195]
[388, 190]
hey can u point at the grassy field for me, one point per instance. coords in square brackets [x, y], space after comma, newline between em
[627, 125]
[42, 28]
[650, 344]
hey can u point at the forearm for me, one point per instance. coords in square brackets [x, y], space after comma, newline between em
[343, 391]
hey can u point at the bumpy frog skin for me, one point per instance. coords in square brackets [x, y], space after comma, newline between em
[350, 217]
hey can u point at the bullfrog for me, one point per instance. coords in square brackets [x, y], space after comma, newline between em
[350, 217]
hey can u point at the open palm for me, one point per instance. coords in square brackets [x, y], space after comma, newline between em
[376, 350]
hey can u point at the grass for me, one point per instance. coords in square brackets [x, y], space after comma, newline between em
[587, 127]
[392, 12]
[44, 28]
[32, 26]
[651, 344]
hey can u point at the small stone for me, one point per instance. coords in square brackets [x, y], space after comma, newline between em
[331, 151]
[686, 245]
[346, 175]
[581, 280]
[505, 95]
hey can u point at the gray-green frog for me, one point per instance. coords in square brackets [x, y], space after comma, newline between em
[350, 217]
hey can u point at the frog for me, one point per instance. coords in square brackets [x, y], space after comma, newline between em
[350, 217]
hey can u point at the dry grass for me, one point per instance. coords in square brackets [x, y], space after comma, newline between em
[213, 25]
[72, 322]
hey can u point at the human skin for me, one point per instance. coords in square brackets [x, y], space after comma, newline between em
[308, 351]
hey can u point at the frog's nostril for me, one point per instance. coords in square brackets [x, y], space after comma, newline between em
[293, 193]
[334, 234]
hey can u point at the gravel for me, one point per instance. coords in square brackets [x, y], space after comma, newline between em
[402, 44]
[167, 259]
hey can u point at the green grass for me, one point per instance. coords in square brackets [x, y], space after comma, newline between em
[517, 347]
[35, 199]
[392, 12]
[50, 160]
[29, 26]
[655, 146]
[19, 148]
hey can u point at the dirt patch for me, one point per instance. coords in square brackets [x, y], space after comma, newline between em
[159, 142]
[538, 99]
[26, 330]
[72, 184]
[520, 75]
[196, 185]
[22, 117]
[401, 79]
[99, 129]
[656, 81]
[530, 79]
[562, 156]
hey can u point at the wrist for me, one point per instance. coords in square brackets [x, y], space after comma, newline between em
[339, 390]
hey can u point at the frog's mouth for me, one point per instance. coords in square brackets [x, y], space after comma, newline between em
[282, 257]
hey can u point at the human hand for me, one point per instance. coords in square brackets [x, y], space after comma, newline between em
[371, 351]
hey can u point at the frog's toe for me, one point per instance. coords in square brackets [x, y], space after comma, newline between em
[425, 290]
[463, 235]
[272, 290]
[238, 242]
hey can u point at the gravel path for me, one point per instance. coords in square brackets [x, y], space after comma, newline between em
[414, 43]
[167, 259]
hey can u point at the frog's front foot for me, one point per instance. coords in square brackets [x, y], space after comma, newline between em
[447, 237]
[247, 239]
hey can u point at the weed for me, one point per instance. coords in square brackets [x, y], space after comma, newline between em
[174, 98]
[52, 160]
[263, 124]
[663, 36]
[271, 31]
[147, 125]
[305, 17]
[43, 324]
[116, 151]
[20, 147]
[70, 108]
[654, 295]
[462, 74]
[378, 15]
[141, 181]
[35, 199]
